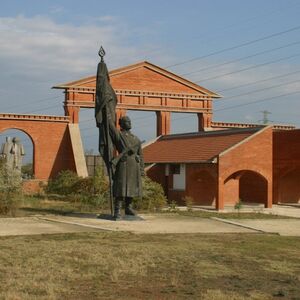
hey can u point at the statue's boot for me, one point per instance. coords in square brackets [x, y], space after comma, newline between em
[117, 210]
[128, 207]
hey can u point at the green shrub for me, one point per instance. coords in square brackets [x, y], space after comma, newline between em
[189, 202]
[89, 191]
[83, 186]
[153, 196]
[63, 183]
[10, 190]
[238, 205]
[172, 207]
[67, 182]
[94, 192]
[100, 181]
[27, 171]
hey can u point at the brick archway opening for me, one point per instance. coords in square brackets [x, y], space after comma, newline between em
[289, 187]
[203, 188]
[28, 143]
[246, 186]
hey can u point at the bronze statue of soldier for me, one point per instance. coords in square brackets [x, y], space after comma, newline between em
[125, 169]
[128, 167]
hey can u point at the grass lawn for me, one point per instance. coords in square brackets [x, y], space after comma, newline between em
[116, 265]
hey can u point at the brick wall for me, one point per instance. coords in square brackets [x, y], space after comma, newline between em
[148, 80]
[52, 151]
[254, 154]
[201, 183]
[286, 161]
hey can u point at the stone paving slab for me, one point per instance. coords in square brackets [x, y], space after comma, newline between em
[34, 225]
[284, 210]
[287, 227]
[156, 224]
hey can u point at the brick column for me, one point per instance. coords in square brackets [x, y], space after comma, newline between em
[119, 114]
[269, 195]
[163, 122]
[220, 192]
[72, 112]
[204, 121]
[276, 192]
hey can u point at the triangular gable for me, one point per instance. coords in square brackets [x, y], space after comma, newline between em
[146, 77]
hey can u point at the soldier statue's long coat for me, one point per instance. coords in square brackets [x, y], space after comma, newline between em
[130, 164]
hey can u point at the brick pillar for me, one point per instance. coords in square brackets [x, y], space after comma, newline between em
[269, 195]
[204, 121]
[220, 195]
[163, 122]
[119, 114]
[72, 112]
[275, 193]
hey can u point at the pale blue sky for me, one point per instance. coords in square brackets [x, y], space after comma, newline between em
[43, 43]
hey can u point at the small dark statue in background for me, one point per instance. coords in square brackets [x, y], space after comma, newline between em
[126, 168]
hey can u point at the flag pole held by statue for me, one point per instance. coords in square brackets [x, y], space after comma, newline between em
[105, 104]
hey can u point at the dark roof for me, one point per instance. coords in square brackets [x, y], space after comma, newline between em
[194, 147]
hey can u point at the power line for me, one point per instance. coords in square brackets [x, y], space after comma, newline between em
[240, 59]
[249, 68]
[41, 109]
[257, 101]
[237, 46]
[35, 101]
[263, 89]
[258, 81]
[234, 25]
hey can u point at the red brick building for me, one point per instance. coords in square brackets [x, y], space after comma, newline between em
[216, 168]
[221, 168]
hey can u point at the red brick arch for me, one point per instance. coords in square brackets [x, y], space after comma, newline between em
[246, 185]
[50, 137]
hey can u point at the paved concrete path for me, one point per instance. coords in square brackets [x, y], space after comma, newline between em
[34, 225]
[287, 227]
[151, 224]
[286, 210]
[156, 224]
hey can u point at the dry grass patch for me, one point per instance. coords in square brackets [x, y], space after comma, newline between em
[127, 266]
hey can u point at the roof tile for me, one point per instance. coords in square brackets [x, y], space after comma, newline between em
[195, 147]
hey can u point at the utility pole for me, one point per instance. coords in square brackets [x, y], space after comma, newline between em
[265, 119]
